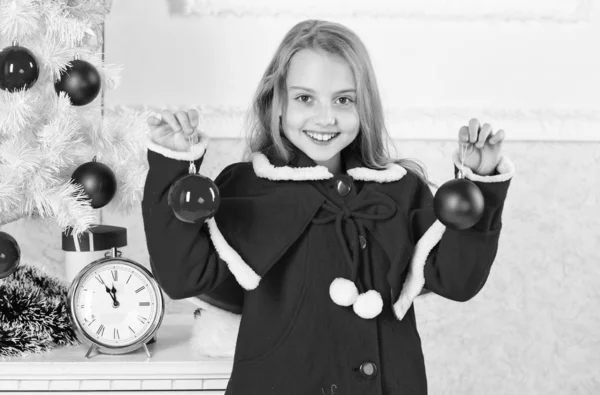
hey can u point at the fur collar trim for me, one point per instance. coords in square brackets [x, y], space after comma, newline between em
[264, 169]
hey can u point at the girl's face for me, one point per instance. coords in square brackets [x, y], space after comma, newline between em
[321, 118]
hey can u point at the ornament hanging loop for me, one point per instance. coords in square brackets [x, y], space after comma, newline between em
[192, 169]
[461, 174]
[15, 43]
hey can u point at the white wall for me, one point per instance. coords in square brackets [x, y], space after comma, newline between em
[530, 67]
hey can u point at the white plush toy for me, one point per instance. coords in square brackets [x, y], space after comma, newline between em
[215, 331]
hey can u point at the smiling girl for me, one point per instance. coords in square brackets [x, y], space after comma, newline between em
[322, 240]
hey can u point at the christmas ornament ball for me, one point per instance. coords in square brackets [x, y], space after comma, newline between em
[10, 255]
[81, 81]
[98, 181]
[18, 68]
[458, 204]
[194, 198]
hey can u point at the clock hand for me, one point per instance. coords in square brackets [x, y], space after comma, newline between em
[114, 295]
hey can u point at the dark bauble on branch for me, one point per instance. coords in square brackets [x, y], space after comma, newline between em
[194, 198]
[10, 255]
[458, 204]
[18, 68]
[81, 81]
[98, 181]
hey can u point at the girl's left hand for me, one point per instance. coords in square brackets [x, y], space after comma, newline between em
[480, 146]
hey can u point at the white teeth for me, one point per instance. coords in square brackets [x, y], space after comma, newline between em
[322, 136]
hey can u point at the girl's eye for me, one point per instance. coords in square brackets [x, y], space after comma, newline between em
[344, 100]
[303, 98]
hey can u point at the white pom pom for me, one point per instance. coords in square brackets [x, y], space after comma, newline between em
[343, 292]
[368, 305]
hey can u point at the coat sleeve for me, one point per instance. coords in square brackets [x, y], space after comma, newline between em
[182, 255]
[454, 264]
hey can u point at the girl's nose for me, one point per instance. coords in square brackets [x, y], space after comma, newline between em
[325, 118]
[325, 121]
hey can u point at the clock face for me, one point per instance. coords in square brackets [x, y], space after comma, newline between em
[116, 304]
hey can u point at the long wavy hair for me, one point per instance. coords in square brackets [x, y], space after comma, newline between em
[263, 124]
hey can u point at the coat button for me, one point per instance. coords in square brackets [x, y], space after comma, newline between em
[363, 242]
[343, 188]
[368, 370]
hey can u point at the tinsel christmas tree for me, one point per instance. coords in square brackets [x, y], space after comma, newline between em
[51, 123]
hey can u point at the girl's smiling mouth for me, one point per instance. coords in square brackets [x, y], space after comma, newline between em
[320, 136]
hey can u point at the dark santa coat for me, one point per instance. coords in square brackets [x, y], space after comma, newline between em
[282, 239]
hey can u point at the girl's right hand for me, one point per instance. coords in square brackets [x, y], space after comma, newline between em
[175, 131]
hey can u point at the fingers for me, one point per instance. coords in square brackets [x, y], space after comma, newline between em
[184, 120]
[478, 134]
[169, 118]
[194, 118]
[473, 130]
[484, 132]
[153, 121]
[180, 128]
[498, 137]
[463, 135]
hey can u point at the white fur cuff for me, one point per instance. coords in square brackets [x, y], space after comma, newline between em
[416, 277]
[505, 167]
[243, 273]
[196, 152]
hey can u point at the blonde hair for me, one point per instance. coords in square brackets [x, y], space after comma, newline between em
[263, 124]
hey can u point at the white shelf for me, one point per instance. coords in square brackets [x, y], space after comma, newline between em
[173, 367]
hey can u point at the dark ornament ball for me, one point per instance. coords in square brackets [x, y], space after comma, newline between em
[458, 204]
[98, 181]
[81, 81]
[10, 255]
[194, 198]
[18, 68]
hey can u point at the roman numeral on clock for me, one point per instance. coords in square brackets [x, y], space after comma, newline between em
[144, 303]
[115, 275]
[142, 319]
[116, 334]
[100, 279]
[139, 289]
[100, 330]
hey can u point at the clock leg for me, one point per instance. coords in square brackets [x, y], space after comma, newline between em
[147, 351]
[90, 351]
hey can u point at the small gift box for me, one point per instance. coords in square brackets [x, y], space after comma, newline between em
[90, 246]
